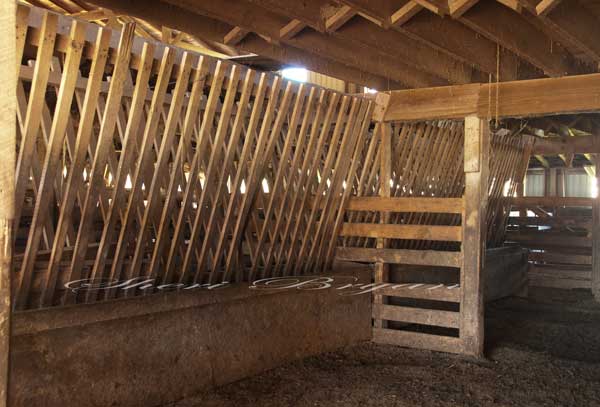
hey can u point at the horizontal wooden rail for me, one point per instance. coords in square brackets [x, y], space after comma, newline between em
[566, 145]
[400, 256]
[554, 221]
[408, 232]
[435, 292]
[403, 204]
[550, 201]
[541, 240]
[448, 319]
[417, 340]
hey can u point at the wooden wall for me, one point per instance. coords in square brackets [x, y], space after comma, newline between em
[138, 160]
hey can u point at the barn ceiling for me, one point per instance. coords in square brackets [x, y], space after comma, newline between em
[383, 44]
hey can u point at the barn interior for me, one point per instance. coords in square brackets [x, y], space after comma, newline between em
[256, 202]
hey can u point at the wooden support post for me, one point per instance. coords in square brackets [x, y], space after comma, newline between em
[8, 114]
[596, 236]
[477, 148]
[385, 175]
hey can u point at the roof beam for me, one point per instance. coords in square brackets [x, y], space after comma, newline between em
[567, 145]
[537, 97]
[576, 26]
[458, 41]
[512, 4]
[234, 36]
[546, 6]
[379, 10]
[402, 47]
[158, 12]
[263, 22]
[460, 7]
[291, 29]
[405, 13]
[503, 26]
[340, 18]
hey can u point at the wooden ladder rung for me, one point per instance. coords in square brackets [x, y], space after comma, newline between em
[417, 340]
[447, 319]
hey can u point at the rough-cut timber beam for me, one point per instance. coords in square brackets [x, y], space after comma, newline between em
[263, 22]
[157, 12]
[460, 7]
[291, 29]
[340, 18]
[458, 41]
[537, 97]
[398, 45]
[476, 165]
[530, 201]
[512, 4]
[8, 142]
[405, 13]
[379, 10]
[234, 36]
[405, 48]
[575, 25]
[503, 26]
[567, 145]
[546, 6]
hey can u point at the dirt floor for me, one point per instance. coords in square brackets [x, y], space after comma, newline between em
[541, 351]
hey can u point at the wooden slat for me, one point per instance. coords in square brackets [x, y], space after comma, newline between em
[404, 204]
[84, 135]
[448, 319]
[400, 256]
[417, 340]
[34, 112]
[552, 201]
[55, 142]
[409, 232]
[434, 292]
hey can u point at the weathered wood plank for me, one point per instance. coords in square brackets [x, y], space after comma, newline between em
[408, 232]
[405, 204]
[536, 97]
[417, 340]
[448, 319]
[400, 256]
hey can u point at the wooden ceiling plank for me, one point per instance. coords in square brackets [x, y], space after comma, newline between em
[458, 41]
[575, 25]
[266, 24]
[157, 12]
[407, 49]
[512, 32]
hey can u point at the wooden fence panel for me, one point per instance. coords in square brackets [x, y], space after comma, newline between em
[146, 162]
